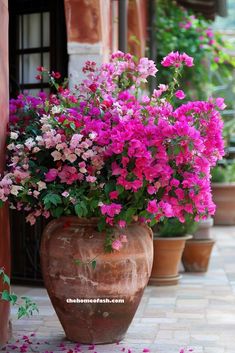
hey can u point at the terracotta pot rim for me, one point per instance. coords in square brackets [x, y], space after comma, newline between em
[184, 237]
[201, 241]
[92, 220]
[223, 185]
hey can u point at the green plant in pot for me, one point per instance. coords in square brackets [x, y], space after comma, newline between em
[223, 190]
[106, 162]
[169, 240]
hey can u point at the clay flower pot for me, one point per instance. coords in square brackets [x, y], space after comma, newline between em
[118, 275]
[196, 255]
[167, 257]
[224, 198]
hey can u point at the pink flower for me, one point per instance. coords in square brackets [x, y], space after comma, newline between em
[180, 94]
[146, 68]
[151, 190]
[220, 103]
[51, 174]
[113, 195]
[122, 224]
[68, 175]
[116, 245]
[111, 210]
[176, 59]
[31, 219]
[91, 179]
[209, 33]
[123, 238]
[152, 207]
[187, 60]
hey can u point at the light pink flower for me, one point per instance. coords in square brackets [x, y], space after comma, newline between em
[122, 223]
[116, 245]
[123, 238]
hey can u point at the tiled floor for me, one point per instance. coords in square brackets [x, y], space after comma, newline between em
[199, 313]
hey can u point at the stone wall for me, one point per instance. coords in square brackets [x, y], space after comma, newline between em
[92, 31]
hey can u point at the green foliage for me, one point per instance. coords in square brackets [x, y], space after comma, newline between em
[172, 227]
[26, 307]
[224, 172]
[178, 29]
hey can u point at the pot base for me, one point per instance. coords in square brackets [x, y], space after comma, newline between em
[164, 281]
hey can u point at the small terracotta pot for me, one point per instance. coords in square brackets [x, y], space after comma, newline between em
[119, 275]
[196, 255]
[167, 258]
[224, 198]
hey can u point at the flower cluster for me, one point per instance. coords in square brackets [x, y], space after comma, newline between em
[106, 151]
[176, 59]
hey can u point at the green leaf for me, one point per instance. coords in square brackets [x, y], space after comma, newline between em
[94, 204]
[52, 199]
[176, 150]
[101, 224]
[57, 212]
[120, 189]
[78, 210]
[129, 214]
[13, 298]
[73, 127]
[6, 296]
[6, 279]
[21, 312]
[93, 264]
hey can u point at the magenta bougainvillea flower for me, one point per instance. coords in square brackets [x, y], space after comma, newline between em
[105, 150]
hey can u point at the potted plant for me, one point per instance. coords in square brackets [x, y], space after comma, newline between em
[223, 189]
[197, 251]
[169, 240]
[105, 162]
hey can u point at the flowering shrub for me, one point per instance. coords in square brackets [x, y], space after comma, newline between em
[105, 151]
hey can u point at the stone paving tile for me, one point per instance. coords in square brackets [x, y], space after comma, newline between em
[199, 313]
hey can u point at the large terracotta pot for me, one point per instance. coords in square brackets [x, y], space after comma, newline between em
[196, 255]
[224, 198]
[167, 257]
[119, 275]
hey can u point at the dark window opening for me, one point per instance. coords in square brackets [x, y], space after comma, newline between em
[37, 37]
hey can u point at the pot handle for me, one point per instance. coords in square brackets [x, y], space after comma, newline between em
[148, 229]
